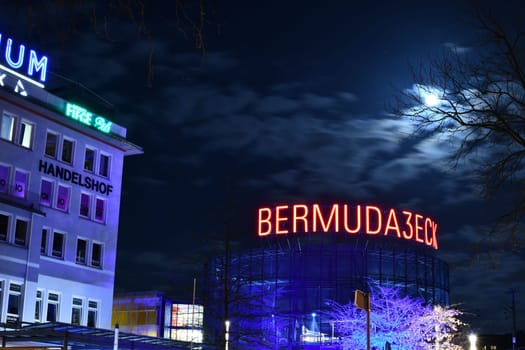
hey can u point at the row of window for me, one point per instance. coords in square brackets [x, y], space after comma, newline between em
[53, 194]
[18, 131]
[57, 146]
[19, 236]
[63, 148]
[87, 252]
[53, 243]
[52, 306]
[91, 207]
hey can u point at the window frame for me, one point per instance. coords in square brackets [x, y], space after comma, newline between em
[93, 160]
[95, 310]
[8, 226]
[12, 130]
[108, 166]
[25, 188]
[79, 307]
[72, 151]
[7, 179]
[53, 302]
[96, 218]
[89, 196]
[44, 241]
[67, 202]
[27, 228]
[18, 294]
[57, 142]
[49, 201]
[20, 137]
[86, 244]
[62, 251]
[39, 305]
[100, 253]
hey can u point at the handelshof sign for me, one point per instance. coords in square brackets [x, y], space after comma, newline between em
[347, 219]
[22, 69]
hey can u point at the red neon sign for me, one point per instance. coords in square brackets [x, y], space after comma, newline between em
[368, 219]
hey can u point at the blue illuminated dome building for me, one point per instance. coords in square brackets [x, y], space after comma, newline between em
[274, 296]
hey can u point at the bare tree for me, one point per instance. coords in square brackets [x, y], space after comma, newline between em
[476, 98]
[118, 21]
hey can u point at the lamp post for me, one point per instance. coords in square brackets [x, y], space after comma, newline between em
[472, 338]
[226, 334]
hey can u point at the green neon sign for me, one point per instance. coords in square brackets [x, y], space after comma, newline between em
[85, 117]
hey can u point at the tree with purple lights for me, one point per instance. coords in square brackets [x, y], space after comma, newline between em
[402, 321]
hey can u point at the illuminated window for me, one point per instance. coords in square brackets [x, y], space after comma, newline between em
[103, 169]
[20, 184]
[38, 306]
[63, 198]
[58, 245]
[51, 144]
[4, 178]
[53, 307]
[100, 210]
[7, 128]
[21, 232]
[46, 192]
[76, 311]
[81, 251]
[89, 159]
[4, 227]
[43, 242]
[96, 255]
[67, 150]
[85, 202]
[25, 138]
[92, 313]
[14, 303]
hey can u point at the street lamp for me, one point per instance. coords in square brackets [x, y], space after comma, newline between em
[226, 334]
[472, 338]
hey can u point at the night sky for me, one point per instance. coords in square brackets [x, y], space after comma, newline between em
[288, 104]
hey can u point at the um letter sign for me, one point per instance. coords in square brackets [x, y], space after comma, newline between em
[347, 219]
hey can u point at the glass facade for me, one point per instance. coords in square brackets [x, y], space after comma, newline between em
[277, 294]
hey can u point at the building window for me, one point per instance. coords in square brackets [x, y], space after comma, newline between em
[4, 227]
[21, 232]
[92, 313]
[85, 203]
[67, 150]
[53, 307]
[89, 159]
[38, 306]
[100, 210]
[43, 241]
[21, 183]
[14, 303]
[63, 198]
[51, 144]
[25, 138]
[96, 255]
[81, 251]
[7, 128]
[4, 178]
[58, 245]
[76, 312]
[103, 169]
[46, 192]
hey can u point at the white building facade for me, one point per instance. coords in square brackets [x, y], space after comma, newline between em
[60, 189]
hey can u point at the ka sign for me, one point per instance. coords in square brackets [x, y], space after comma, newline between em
[346, 219]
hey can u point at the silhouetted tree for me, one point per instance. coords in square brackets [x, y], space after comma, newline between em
[476, 98]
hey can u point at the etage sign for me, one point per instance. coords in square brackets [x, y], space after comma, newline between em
[346, 219]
